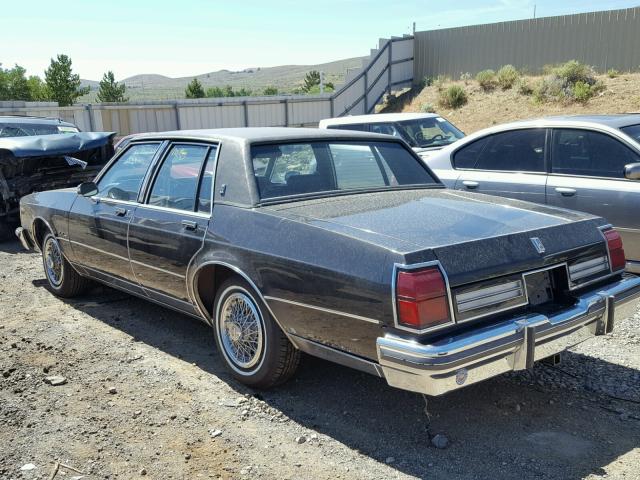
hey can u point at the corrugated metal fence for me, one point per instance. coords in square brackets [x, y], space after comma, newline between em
[609, 39]
[389, 68]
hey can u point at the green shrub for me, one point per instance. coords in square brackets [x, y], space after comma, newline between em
[569, 82]
[612, 73]
[507, 76]
[453, 97]
[524, 87]
[427, 108]
[487, 80]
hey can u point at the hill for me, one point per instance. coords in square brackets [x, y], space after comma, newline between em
[484, 109]
[285, 77]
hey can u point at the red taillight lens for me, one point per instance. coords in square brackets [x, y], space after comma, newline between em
[422, 299]
[616, 250]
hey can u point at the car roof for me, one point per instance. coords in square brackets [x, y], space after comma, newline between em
[617, 120]
[260, 134]
[31, 120]
[376, 117]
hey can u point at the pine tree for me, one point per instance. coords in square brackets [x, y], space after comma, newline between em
[110, 90]
[194, 89]
[63, 85]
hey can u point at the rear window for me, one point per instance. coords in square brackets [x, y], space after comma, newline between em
[633, 131]
[28, 129]
[285, 170]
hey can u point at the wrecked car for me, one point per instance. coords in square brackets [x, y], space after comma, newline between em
[44, 154]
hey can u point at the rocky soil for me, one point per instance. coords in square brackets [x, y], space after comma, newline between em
[108, 386]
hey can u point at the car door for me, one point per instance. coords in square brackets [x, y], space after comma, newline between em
[168, 228]
[587, 174]
[98, 225]
[508, 164]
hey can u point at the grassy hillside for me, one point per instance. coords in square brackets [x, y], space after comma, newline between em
[483, 109]
[285, 78]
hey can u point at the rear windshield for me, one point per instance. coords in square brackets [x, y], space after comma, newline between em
[285, 170]
[633, 131]
[28, 129]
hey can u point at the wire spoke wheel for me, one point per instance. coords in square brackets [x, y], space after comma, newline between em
[53, 262]
[241, 330]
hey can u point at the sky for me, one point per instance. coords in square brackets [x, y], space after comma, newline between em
[190, 37]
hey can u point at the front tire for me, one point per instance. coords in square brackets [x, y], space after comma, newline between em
[251, 344]
[63, 280]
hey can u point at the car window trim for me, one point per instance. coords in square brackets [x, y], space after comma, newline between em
[603, 132]
[213, 179]
[154, 170]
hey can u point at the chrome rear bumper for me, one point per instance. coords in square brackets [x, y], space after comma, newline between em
[514, 344]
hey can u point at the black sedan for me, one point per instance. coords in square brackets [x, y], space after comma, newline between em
[342, 245]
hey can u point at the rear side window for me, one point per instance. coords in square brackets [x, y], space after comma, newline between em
[123, 179]
[588, 153]
[284, 170]
[206, 182]
[176, 183]
[513, 151]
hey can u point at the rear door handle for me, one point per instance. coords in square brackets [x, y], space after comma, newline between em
[120, 212]
[470, 184]
[566, 192]
[189, 225]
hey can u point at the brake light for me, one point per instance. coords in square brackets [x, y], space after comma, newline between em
[422, 300]
[616, 250]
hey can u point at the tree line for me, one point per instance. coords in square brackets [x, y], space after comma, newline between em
[60, 84]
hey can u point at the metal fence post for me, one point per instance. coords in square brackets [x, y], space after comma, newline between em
[246, 113]
[177, 109]
[366, 90]
[390, 66]
[286, 112]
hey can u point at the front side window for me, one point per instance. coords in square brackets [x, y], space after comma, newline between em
[588, 153]
[124, 178]
[176, 182]
[513, 151]
[284, 170]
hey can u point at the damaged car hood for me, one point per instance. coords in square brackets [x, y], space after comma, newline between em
[54, 145]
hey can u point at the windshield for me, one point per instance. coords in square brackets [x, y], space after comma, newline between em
[429, 132]
[633, 131]
[31, 129]
[285, 170]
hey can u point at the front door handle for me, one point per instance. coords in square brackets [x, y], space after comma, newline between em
[120, 212]
[189, 225]
[566, 192]
[470, 184]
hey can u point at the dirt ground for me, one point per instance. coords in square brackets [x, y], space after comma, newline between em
[146, 396]
[622, 94]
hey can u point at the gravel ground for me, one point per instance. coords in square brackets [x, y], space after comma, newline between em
[144, 395]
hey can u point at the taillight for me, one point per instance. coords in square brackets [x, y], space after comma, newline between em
[422, 300]
[616, 250]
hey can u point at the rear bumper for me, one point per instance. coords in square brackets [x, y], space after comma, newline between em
[633, 267]
[24, 238]
[514, 344]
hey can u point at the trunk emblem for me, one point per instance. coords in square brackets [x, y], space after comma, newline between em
[537, 243]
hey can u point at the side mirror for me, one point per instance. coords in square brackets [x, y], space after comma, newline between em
[632, 171]
[87, 189]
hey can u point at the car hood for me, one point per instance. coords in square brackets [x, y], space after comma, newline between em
[461, 229]
[54, 145]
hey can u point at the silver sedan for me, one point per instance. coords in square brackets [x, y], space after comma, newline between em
[587, 163]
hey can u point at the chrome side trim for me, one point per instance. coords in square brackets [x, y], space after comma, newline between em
[203, 311]
[99, 250]
[394, 278]
[137, 294]
[174, 210]
[322, 309]
[338, 356]
[158, 269]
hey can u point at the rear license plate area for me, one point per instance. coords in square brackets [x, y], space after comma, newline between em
[540, 287]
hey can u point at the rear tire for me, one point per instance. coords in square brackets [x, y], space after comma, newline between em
[63, 280]
[251, 344]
